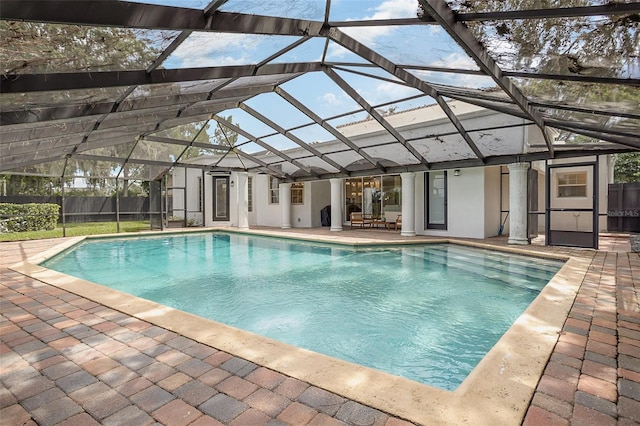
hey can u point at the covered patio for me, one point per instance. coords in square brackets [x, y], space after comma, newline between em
[107, 92]
[70, 360]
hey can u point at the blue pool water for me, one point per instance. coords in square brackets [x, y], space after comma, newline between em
[428, 313]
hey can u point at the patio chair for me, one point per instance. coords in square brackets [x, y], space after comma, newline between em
[398, 223]
[360, 219]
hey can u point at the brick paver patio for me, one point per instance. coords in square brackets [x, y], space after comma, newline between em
[66, 360]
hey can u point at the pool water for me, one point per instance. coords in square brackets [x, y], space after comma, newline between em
[425, 312]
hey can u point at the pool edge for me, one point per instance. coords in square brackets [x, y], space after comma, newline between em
[502, 398]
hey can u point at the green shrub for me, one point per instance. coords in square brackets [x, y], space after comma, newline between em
[28, 217]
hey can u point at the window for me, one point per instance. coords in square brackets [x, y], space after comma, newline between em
[391, 195]
[572, 184]
[353, 193]
[297, 193]
[274, 190]
[378, 196]
[250, 191]
[436, 199]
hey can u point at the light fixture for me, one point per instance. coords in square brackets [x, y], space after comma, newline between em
[232, 184]
[456, 172]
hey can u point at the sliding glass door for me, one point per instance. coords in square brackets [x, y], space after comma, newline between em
[374, 195]
[436, 200]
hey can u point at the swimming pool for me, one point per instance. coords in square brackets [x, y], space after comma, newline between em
[396, 309]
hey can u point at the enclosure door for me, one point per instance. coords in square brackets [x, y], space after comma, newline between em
[155, 204]
[572, 205]
[532, 182]
[436, 200]
[221, 198]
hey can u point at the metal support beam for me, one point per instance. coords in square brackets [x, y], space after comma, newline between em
[151, 16]
[23, 83]
[263, 144]
[440, 11]
[560, 12]
[626, 139]
[235, 149]
[162, 139]
[292, 137]
[351, 92]
[302, 108]
[410, 79]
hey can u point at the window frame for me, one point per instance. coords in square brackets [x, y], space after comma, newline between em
[274, 193]
[570, 185]
[297, 188]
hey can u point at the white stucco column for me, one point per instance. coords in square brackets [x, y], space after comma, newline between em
[243, 200]
[336, 204]
[285, 204]
[408, 204]
[518, 204]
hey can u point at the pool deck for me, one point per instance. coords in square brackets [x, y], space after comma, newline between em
[66, 359]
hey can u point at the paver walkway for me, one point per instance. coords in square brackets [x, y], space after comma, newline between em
[593, 376]
[69, 361]
[66, 360]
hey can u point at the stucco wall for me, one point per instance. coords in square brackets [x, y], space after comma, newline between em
[491, 201]
[320, 197]
[468, 215]
[466, 203]
[268, 214]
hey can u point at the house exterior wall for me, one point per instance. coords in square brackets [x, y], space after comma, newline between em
[320, 196]
[476, 187]
[491, 201]
[469, 212]
[267, 214]
[474, 197]
[317, 194]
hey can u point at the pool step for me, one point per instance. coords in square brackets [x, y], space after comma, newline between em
[495, 267]
[532, 267]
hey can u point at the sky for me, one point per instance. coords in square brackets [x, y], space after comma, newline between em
[420, 45]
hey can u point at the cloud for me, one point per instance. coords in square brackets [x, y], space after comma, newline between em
[395, 9]
[330, 99]
[456, 60]
[387, 91]
[215, 49]
[460, 61]
[388, 9]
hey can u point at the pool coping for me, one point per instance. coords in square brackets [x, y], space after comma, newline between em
[497, 391]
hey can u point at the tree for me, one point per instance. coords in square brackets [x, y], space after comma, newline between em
[627, 168]
[597, 46]
[36, 47]
[29, 185]
[605, 46]
[196, 132]
[29, 47]
[223, 135]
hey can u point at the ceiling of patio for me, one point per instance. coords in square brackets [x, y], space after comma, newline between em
[92, 87]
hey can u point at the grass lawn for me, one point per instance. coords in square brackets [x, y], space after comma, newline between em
[77, 229]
